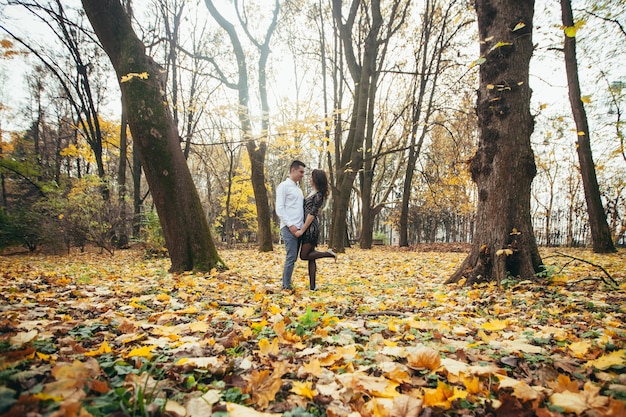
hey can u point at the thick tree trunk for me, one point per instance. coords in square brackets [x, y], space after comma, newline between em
[185, 228]
[503, 166]
[362, 72]
[600, 231]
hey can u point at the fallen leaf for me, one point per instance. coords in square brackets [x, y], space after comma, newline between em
[266, 348]
[236, 410]
[23, 338]
[304, 389]
[423, 358]
[616, 358]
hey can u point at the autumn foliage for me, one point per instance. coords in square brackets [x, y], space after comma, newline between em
[94, 335]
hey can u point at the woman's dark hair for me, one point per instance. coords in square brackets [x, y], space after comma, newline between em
[321, 181]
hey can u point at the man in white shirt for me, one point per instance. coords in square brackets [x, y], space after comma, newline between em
[290, 210]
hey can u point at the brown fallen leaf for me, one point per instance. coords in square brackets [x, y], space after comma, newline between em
[264, 385]
[406, 406]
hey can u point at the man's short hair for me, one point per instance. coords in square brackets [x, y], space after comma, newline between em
[296, 165]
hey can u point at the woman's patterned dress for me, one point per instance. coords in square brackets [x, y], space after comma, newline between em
[312, 204]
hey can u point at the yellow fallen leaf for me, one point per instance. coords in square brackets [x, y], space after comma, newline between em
[163, 297]
[486, 337]
[312, 368]
[442, 396]
[47, 397]
[495, 325]
[472, 384]
[144, 352]
[104, 348]
[266, 348]
[199, 326]
[579, 349]
[304, 389]
[285, 336]
[615, 358]
[274, 309]
[188, 310]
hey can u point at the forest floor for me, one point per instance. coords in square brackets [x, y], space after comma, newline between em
[98, 335]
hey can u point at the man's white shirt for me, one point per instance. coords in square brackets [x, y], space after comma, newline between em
[289, 204]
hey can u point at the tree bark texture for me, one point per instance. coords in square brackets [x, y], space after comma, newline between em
[600, 231]
[362, 72]
[503, 167]
[185, 228]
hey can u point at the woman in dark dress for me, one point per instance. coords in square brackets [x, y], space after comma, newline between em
[311, 229]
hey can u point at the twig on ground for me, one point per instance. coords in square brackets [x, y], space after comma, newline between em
[611, 279]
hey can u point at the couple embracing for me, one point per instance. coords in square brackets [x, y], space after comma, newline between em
[299, 226]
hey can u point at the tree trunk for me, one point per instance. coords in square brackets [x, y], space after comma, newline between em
[362, 72]
[256, 151]
[121, 172]
[417, 98]
[600, 231]
[367, 174]
[137, 200]
[185, 228]
[503, 167]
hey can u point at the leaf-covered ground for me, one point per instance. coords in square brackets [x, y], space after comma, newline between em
[97, 335]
